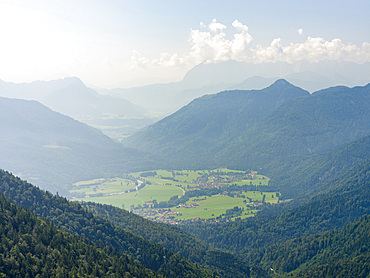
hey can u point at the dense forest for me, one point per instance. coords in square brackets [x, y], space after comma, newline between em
[73, 218]
[31, 247]
[336, 253]
[223, 263]
[250, 129]
[252, 239]
[193, 136]
[298, 177]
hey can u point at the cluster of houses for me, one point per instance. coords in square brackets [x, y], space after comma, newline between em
[221, 180]
[255, 204]
[164, 216]
[205, 181]
[191, 205]
[174, 221]
[160, 215]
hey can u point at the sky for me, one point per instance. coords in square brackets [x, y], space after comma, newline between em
[120, 43]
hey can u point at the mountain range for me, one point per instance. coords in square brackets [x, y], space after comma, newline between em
[53, 150]
[116, 117]
[120, 112]
[70, 96]
[244, 129]
[248, 129]
[314, 147]
[210, 78]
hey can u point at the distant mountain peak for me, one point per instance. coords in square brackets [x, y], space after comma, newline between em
[283, 88]
[72, 82]
[281, 82]
[72, 79]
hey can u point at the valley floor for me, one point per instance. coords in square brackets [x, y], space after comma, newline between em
[179, 197]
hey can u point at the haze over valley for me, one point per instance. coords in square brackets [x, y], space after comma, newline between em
[228, 140]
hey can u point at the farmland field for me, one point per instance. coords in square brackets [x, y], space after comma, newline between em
[218, 204]
[114, 196]
[102, 186]
[176, 196]
[211, 207]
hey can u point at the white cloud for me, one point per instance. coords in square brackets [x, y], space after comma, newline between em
[210, 44]
[213, 46]
[241, 41]
[214, 26]
[313, 50]
[267, 54]
[167, 59]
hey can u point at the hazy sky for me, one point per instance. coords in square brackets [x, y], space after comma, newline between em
[117, 43]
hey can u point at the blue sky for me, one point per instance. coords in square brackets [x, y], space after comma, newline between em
[115, 43]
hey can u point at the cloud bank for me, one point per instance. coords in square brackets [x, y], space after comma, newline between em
[212, 43]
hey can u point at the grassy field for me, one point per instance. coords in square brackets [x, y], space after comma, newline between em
[102, 186]
[159, 192]
[188, 177]
[217, 205]
[147, 194]
[210, 208]
[161, 185]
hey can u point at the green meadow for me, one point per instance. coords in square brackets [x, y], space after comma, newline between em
[217, 205]
[102, 186]
[210, 208]
[126, 200]
[161, 185]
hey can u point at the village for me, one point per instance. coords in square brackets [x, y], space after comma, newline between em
[169, 216]
[221, 179]
[218, 180]
[198, 195]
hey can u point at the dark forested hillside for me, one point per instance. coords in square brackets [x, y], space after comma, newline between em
[173, 238]
[338, 253]
[193, 135]
[347, 201]
[53, 150]
[251, 129]
[75, 219]
[299, 177]
[303, 126]
[31, 247]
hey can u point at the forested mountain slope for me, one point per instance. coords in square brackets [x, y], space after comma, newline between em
[75, 219]
[298, 177]
[347, 201]
[31, 247]
[251, 129]
[53, 150]
[199, 130]
[303, 126]
[174, 239]
[337, 253]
